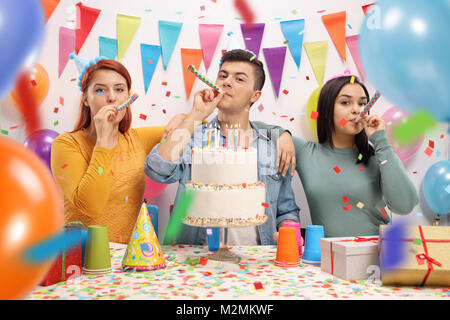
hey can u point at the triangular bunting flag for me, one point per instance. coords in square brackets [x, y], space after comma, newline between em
[107, 47]
[293, 31]
[317, 54]
[352, 44]
[49, 6]
[335, 24]
[366, 8]
[66, 47]
[143, 252]
[150, 57]
[209, 37]
[275, 63]
[253, 34]
[194, 57]
[168, 36]
[126, 28]
[86, 18]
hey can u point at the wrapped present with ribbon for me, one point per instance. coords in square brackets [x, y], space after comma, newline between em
[426, 257]
[68, 264]
[349, 258]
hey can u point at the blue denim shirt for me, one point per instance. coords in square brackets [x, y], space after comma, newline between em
[279, 193]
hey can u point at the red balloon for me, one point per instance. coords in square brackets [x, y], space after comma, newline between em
[152, 188]
[31, 211]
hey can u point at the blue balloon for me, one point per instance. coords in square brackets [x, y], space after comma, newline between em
[436, 187]
[405, 50]
[22, 26]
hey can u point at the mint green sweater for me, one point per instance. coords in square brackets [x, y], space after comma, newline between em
[346, 198]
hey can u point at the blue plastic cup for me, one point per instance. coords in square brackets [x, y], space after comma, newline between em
[311, 255]
[213, 238]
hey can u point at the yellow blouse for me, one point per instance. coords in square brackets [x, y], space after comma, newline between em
[102, 186]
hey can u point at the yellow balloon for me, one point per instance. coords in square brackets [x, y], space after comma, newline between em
[311, 106]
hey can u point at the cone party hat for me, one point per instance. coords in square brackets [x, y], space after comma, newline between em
[143, 252]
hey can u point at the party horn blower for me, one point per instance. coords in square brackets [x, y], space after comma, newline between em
[175, 222]
[372, 101]
[202, 77]
[132, 99]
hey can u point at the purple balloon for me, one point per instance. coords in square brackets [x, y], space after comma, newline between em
[41, 143]
[396, 116]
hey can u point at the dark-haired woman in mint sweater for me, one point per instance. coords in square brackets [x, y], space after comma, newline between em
[348, 181]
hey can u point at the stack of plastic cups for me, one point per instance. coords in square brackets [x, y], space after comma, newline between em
[312, 244]
[287, 249]
[296, 225]
[97, 257]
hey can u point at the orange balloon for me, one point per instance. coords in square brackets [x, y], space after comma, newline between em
[38, 85]
[31, 211]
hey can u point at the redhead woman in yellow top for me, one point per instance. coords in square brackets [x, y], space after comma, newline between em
[99, 167]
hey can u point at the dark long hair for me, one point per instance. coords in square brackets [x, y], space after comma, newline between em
[325, 119]
[84, 118]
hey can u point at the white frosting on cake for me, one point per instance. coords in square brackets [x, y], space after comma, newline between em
[227, 191]
[224, 165]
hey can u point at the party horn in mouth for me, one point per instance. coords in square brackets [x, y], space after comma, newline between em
[129, 101]
[202, 77]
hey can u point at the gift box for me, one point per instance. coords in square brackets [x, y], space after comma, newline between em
[426, 259]
[349, 258]
[67, 265]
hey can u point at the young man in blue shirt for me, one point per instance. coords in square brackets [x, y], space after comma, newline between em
[240, 79]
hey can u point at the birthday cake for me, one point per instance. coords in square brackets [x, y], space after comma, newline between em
[226, 186]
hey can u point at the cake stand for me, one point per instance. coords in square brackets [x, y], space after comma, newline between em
[223, 253]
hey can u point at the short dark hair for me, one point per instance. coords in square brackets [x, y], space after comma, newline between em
[249, 57]
[325, 119]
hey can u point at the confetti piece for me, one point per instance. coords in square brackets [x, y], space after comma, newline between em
[164, 83]
[261, 108]
[346, 208]
[55, 110]
[360, 205]
[64, 166]
[61, 101]
[163, 140]
[383, 162]
[265, 204]
[383, 212]
[361, 168]
[100, 171]
[419, 214]
[294, 11]
[60, 177]
[150, 61]
[168, 94]
[285, 91]
[143, 116]
[52, 246]
[286, 42]
[417, 241]
[337, 169]
[258, 285]
[431, 144]
[314, 115]
[343, 122]
[55, 123]
[14, 127]
[307, 77]
[360, 156]
[5, 132]
[126, 199]
[345, 199]
[428, 151]
[202, 8]
[413, 128]
[175, 222]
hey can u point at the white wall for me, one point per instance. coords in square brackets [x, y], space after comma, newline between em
[188, 12]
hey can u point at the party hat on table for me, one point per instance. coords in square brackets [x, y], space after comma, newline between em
[143, 252]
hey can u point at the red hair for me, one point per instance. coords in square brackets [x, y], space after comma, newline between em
[84, 119]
